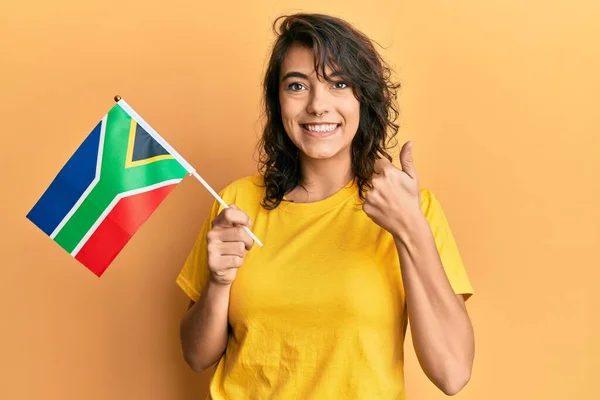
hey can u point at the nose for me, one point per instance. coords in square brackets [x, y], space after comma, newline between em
[318, 103]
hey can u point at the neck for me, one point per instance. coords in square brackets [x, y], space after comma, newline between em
[321, 179]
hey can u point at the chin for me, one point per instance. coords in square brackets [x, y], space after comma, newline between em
[321, 154]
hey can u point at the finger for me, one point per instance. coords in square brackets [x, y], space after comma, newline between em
[232, 234]
[229, 262]
[373, 196]
[380, 165]
[368, 209]
[232, 216]
[231, 249]
[407, 161]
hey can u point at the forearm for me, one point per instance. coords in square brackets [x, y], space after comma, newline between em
[440, 326]
[204, 327]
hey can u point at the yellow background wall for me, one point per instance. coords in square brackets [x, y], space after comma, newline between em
[500, 97]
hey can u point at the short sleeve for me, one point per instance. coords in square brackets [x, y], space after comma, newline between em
[446, 244]
[194, 274]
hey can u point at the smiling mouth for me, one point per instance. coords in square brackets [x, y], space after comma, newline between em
[320, 128]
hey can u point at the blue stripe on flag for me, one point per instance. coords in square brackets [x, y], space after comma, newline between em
[68, 186]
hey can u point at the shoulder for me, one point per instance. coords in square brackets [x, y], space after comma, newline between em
[246, 189]
[427, 198]
[432, 209]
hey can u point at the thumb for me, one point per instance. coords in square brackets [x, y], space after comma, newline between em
[249, 221]
[407, 161]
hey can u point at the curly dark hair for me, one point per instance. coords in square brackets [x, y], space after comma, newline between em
[341, 47]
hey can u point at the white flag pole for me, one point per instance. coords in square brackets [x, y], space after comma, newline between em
[123, 104]
[220, 200]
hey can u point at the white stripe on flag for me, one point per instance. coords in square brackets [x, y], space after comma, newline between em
[91, 185]
[112, 205]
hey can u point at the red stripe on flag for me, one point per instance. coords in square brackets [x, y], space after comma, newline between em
[118, 227]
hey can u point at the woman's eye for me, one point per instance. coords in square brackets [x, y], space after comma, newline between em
[296, 87]
[340, 85]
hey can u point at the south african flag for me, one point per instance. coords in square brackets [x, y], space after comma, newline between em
[109, 187]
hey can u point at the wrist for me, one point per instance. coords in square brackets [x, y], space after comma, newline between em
[216, 283]
[413, 226]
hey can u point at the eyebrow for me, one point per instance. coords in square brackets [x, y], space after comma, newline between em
[296, 74]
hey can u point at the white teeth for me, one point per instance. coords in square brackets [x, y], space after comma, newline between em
[321, 128]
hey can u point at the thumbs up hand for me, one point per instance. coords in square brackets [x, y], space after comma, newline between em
[394, 201]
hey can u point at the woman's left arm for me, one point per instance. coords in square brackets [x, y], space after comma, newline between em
[441, 328]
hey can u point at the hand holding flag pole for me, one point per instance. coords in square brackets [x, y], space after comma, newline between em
[179, 158]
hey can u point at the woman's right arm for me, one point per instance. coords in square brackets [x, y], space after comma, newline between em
[204, 328]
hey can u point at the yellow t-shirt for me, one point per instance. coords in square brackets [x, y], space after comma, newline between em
[319, 311]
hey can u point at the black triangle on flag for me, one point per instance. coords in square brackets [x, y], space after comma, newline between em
[144, 146]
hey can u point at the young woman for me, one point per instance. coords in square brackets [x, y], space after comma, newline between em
[353, 247]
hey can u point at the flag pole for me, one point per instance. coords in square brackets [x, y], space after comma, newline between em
[179, 158]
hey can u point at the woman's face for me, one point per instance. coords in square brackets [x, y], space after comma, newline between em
[321, 118]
